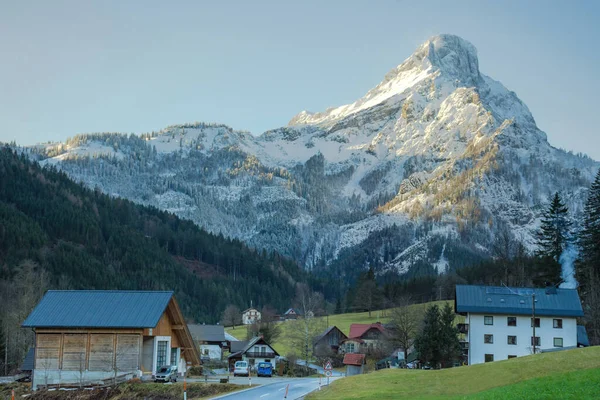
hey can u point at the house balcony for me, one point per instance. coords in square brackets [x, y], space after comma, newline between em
[463, 328]
[260, 354]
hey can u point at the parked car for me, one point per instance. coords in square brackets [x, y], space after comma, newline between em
[264, 369]
[167, 373]
[241, 368]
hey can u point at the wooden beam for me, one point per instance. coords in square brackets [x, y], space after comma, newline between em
[177, 327]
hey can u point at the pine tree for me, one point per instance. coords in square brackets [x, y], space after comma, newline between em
[427, 342]
[554, 235]
[553, 238]
[588, 268]
[450, 349]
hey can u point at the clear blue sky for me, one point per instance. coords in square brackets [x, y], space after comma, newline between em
[70, 67]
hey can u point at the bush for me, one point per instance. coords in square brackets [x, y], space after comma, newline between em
[195, 371]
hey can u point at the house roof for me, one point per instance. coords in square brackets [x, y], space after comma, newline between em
[238, 346]
[517, 301]
[357, 330]
[230, 338]
[28, 361]
[207, 333]
[582, 336]
[354, 359]
[248, 346]
[99, 309]
[249, 309]
[322, 335]
[292, 310]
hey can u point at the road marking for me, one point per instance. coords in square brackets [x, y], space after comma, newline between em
[264, 395]
[283, 388]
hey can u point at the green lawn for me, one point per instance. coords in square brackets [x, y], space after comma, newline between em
[342, 321]
[567, 374]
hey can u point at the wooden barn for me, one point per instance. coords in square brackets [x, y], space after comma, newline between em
[86, 336]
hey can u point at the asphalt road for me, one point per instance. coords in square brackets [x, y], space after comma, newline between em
[297, 388]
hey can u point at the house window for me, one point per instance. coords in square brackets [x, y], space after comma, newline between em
[511, 321]
[489, 357]
[263, 351]
[512, 340]
[537, 322]
[488, 339]
[509, 357]
[557, 323]
[488, 320]
[173, 355]
[161, 353]
[205, 352]
[537, 341]
[558, 342]
[350, 347]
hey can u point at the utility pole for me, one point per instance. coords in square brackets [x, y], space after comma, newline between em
[533, 320]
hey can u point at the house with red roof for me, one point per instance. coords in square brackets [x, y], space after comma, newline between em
[364, 338]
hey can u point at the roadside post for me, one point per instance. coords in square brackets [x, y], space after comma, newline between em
[328, 368]
[286, 391]
[12, 394]
[249, 376]
[184, 388]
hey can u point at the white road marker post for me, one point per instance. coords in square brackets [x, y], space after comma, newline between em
[286, 391]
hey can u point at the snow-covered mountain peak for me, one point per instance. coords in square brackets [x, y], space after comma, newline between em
[447, 56]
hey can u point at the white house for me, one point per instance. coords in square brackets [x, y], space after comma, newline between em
[251, 316]
[255, 351]
[210, 340]
[499, 321]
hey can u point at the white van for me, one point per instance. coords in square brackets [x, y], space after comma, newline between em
[241, 368]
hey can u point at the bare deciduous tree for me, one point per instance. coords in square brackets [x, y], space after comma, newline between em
[405, 322]
[232, 316]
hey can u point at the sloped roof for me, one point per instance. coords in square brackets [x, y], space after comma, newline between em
[354, 359]
[517, 301]
[582, 336]
[357, 330]
[207, 333]
[99, 309]
[322, 335]
[295, 310]
[238, 346]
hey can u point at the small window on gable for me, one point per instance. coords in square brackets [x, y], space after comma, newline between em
[557, 323]
[488, 320]
[511, 321]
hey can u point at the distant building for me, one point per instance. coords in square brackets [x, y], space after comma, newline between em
[84, 336]
[210, 340]
[499, 321]
[250, 316]
[355, 364]
[364, 338]
[329, 341]
[254, 351]
[291, 314]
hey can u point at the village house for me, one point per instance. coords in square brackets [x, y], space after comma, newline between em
[210, 340]
[328, 341]
[84, 336]
[254, 351]
[499, 321]
[291, 314]
[364, 338]
[355, 364]
[251, 316]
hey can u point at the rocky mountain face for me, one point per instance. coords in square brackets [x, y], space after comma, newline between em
[421, 174]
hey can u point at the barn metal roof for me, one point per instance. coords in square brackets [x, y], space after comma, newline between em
[207, 333]
[99, 309]
[517, 301]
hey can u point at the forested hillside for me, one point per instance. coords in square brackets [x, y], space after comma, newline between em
[54, 233]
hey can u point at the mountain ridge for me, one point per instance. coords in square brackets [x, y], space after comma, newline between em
[438, 156]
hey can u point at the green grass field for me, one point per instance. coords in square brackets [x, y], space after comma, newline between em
[570, 374]
[342, 321]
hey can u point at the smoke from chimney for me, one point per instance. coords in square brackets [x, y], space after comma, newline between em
[567, 262]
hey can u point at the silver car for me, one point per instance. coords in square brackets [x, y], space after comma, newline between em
[166, 374]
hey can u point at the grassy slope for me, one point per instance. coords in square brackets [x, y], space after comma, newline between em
[476, 382]
[342, 321]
